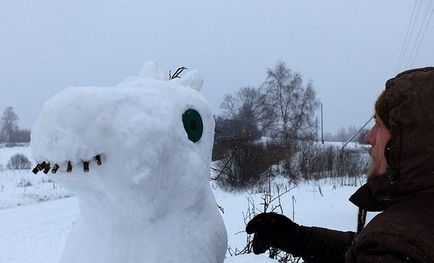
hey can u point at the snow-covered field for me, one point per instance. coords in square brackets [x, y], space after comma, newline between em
[35, 219]
[22, 187]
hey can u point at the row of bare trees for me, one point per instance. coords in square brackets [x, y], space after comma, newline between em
[270, 130]
[283, 106]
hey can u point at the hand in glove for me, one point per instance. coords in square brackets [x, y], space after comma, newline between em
[274, 230]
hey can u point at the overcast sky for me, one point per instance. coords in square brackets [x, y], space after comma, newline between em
[348, 49]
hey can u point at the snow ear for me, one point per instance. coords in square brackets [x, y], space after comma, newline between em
[191, 79]
[150, 69]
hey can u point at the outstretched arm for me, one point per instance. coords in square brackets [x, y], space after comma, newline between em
[324, 245]
[312, 243]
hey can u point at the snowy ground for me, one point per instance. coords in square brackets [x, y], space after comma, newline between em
[322, 204]
[33, 229]
[22, 187]
[36, 233]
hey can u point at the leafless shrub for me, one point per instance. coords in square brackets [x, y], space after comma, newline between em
[24, 183]
[270, 202]
[350, 162]
[18, 162]
[315, 161]
[248, 164]
[243, 167]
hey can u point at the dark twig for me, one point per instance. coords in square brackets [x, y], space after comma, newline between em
[222, 171]
[268, 204]
[177, 73]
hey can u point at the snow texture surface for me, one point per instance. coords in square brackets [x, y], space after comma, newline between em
[150, 200]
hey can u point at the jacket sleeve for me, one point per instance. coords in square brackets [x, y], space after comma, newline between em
[323, 245]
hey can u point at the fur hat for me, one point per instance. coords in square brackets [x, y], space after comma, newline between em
[382, 109]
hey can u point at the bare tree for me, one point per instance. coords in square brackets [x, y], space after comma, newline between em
[230, 106]
[9, 124]
[249, 107]
[293, 104]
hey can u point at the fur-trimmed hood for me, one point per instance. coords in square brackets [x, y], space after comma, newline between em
[410, 100]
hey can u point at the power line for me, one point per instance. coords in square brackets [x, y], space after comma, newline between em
[423, 35]
[414, 24]
[406, 54]
[412, 29]
[416, 41]
[398, 64]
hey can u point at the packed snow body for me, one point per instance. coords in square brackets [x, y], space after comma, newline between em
[149, 200]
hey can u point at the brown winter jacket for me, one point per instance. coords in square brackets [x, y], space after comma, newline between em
[404, 231]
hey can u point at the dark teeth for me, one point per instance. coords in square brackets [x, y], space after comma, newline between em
[54, 170]
[98, 159]
[86, 167]
[69, 168]
[41, 166]
[36, 169]
[47, 168]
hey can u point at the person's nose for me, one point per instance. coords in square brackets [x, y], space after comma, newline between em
[370, 136]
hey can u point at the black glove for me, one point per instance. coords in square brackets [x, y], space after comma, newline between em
[274, 230]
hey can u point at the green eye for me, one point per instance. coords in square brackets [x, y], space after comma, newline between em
[192, 124]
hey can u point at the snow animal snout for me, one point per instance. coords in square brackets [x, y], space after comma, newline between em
[46, 166]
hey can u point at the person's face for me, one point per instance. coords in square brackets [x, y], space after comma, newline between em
[378, 137]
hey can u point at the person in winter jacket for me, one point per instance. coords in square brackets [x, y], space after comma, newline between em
[400, 185]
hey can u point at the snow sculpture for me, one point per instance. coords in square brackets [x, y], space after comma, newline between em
[137, 155]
